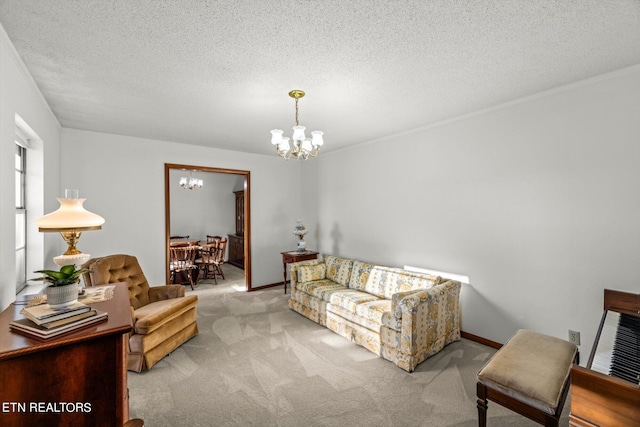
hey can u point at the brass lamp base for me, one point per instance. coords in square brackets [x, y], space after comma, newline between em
[71, 237]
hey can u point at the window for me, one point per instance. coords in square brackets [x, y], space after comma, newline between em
[21, 215]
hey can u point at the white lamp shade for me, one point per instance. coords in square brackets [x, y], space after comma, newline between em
[284, 145]
[276, 136]
[317, 140]
[298, 134]
[71, 215]
[306, 145]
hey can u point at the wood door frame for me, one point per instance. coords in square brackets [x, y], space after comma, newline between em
[247, 212]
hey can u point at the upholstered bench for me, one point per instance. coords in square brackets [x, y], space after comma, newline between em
[528, 375]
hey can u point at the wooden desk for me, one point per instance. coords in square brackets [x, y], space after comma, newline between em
[77, 379]
[295, 256]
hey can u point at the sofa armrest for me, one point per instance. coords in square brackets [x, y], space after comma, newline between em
[399, 297]
[160, 293]
[430, 318]
[295, 266]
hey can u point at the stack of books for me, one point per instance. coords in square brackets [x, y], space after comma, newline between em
[42, 321]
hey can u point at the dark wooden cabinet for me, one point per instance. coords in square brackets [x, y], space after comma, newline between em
[236, 241]
[77, 379]
[239, 212]
[236, 250]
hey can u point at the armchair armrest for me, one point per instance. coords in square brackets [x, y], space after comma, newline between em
[159, 293]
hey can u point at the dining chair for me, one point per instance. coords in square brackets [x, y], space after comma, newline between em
[206, 260]
[213, 239]
[182, 260]
[219, 260]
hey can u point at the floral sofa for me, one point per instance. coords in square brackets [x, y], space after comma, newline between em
[404, 317]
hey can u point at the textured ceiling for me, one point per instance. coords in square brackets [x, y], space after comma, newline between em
[217, 73]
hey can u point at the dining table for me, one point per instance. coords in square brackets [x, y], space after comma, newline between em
[184, 242]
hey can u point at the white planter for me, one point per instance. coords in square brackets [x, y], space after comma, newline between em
[62, 296]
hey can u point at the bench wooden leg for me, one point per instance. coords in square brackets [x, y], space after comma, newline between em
[551, 421]
[484, 395]
[482, 405]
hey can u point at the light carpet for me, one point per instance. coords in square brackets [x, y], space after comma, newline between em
[258, 363]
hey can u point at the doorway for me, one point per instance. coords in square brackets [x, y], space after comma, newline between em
[246, 210]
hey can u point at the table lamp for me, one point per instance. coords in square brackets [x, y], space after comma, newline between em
[300, 230]
[70, 220]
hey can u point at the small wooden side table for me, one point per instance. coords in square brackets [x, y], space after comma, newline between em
[295, 256]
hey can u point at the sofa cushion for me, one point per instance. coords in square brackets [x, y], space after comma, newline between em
[338, 269]
[308, 273]
[384, 281]
[153, 315]
[379, 311]
[349, 299]
[360, 275]
[320, 288]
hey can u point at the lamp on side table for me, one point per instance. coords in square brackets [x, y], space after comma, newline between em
[70, 220]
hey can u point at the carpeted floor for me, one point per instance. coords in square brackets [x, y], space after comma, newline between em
[257, 363]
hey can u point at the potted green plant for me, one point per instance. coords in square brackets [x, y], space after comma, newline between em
[62, 286]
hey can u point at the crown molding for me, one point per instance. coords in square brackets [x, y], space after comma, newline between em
[544, 94]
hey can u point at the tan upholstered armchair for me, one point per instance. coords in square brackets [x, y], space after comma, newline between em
[163, 317]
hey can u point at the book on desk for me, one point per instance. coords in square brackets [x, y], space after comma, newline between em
[44, 322]
[43, 313]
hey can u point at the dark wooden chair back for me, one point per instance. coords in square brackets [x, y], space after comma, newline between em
[183, 259]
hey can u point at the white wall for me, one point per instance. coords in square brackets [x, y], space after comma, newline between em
[538, 202]
[123, 180]
[20, 96]
[209, 210]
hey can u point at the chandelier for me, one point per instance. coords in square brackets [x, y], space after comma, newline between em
[191, 183]
[303, 147]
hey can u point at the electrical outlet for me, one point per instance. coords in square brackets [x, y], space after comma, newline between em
[574, 337]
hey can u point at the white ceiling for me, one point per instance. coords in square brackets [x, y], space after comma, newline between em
[217, 73]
